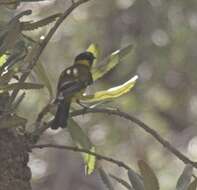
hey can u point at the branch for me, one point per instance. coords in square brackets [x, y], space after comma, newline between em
[142, 125]
[38, 132]
[40, 47]
[76, 149]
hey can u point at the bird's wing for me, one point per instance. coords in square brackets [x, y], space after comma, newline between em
[70, 87]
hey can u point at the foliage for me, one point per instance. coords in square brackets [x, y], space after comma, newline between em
[164, 60]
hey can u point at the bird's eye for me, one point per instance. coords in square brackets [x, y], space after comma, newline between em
[75, 72]
[68, 71]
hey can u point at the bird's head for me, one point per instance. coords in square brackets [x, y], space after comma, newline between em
[86, 58]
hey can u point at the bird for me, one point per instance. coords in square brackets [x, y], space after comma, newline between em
[71, 85]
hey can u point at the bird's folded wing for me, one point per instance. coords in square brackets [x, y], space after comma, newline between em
[68, 88]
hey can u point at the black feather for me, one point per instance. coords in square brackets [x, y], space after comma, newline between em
[61, 115]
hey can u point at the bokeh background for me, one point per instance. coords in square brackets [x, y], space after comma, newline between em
[164, 56]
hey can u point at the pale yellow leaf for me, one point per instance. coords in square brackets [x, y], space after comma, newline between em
[93, 48]
[110, 93]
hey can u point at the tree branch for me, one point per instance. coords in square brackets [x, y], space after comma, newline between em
[142, 125]
[76, 149]
[38, 132]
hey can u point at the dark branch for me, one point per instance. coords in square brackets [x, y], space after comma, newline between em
[142, 125]
[152, 132]
[76, 149]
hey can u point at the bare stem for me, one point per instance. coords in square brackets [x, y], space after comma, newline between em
[142, 125]
[131, 118]
[76, 149]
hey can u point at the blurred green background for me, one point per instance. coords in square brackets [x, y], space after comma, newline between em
[164, 56]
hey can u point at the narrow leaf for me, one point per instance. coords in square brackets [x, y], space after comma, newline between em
[43, 76]
[110, 93]
[110, 62]
[3, 59]
[78, 135]
[82, 141]
[35, 25]
[25, 86]
[122, 182]
[136, 180]
[193, 185]
[185, 178]
[149, 178]
[105, 179]
[18, 101]
[90, 162]
[93, 48]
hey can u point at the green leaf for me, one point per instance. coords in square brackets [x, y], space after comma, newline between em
[12, 121]
[82, 141]
[122, 182]
[193, 185]
[90, 162]
[110, 62]
[149, 178]
[105, 179]
[93, 48]
[136, 180]
[25, 86]
[78, 135]
[43, 76]
[110, 93]
[185, 178]
[3, 59]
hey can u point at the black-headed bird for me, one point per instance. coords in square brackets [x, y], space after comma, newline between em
[71, 85]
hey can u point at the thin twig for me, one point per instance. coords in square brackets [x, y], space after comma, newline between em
[142, 125]
[131, 118]
[76, 149]
[40, 47]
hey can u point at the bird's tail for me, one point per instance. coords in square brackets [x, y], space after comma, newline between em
[61, 115]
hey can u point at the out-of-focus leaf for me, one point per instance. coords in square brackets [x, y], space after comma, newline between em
[110, 62]
[43, 76]
[4, 98]
[3, 59]
[110, 93]
[12, 121]
[193, 185]
[78, 135]
[136, 180]
[93, 48]
[25, 86]
[35, 25]
[18, 101]
[122, 182]
[149, 178]
[10, 4]
[185, 178]
[5, 78]
[32, 0]
[82, 141]
[16, 55]
[10, 37]
[105, 179]
[11, 32]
